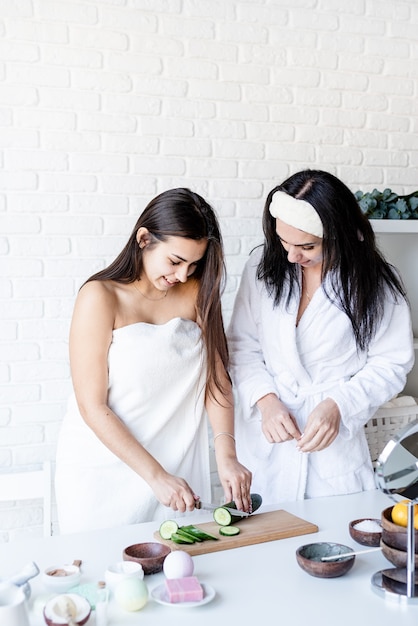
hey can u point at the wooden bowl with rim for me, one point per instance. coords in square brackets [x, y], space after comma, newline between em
[309, 559]
[365, 537]
[398, 558]
[150, 555]
[393, 535]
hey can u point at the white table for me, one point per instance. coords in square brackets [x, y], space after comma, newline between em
[254, 584]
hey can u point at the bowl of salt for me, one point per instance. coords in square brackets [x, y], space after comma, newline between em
[367, 531]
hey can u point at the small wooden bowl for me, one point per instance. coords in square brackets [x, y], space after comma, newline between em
[395, 556]
[365, 537]
[150, 555]
[393, 535]
[309, 559]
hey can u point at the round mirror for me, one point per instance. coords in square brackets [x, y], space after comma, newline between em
[397, 466]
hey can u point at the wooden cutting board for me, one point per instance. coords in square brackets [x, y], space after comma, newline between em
[258, 528]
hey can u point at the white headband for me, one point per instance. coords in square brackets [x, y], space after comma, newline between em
[297, 213]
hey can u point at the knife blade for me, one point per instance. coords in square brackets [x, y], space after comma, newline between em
[211, 507]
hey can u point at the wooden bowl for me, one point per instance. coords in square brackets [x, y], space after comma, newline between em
[150, 555]
[365, 537]
[394, 535]
[309, 559]
[395, 556]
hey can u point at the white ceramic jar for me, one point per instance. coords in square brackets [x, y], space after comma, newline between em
[121, 571]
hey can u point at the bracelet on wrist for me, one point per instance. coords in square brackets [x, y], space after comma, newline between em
[227, 434]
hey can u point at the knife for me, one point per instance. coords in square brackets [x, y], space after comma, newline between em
[212, 507]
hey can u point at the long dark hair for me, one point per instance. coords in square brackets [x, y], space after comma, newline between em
[359, 274]
[183, 213]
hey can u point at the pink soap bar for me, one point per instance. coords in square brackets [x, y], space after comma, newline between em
[186, 589]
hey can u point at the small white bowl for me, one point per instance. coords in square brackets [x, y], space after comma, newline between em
[61, 577]
[122, 570]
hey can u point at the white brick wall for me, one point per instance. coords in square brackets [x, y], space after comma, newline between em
[104, 103]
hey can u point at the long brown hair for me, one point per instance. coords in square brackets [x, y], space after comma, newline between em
[183, 213]
[358, 271]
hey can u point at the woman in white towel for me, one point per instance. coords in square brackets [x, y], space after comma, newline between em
[149, 357]
[319, 338]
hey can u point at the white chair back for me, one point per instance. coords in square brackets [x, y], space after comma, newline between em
[385, 424]
[31, 485]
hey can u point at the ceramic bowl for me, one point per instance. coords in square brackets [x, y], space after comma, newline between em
[397, 557]
[122, 570]
[361, 534]
[394, 535]
[309, 559]
[150, 555]
[60, 578]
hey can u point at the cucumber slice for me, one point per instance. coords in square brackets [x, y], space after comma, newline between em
[184, 533]
[198, 532]
[222, 516]
[177, 538]
[229, 531]
[167, 528]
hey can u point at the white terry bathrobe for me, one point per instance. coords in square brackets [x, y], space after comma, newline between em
[157, 378]
[303, 365]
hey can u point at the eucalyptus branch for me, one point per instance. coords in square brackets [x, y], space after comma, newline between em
[378, 205]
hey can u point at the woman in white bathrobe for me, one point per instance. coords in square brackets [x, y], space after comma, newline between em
[149, 357]
[319, 338]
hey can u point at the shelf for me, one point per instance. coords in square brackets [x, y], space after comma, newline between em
[395, 226]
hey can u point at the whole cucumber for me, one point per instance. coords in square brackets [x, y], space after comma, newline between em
[256, 502]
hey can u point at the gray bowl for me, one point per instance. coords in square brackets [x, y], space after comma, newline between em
[309, 559]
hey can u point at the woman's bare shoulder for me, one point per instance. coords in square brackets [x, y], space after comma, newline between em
[98, 288]
[93, 317]
[97, 295]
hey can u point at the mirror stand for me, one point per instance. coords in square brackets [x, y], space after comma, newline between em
[399, 583]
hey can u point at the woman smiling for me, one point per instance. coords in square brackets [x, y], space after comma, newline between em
[148, 356]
